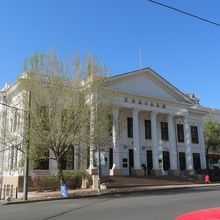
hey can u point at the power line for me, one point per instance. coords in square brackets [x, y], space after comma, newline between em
[186, 13]
[10, 106]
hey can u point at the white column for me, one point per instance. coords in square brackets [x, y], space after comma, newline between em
[52, 163]
[172, 143]
[154, 141]
[188, 150]
[136, 141]
[4, 123]
[115, 137]
[202, 147]
[92, 130]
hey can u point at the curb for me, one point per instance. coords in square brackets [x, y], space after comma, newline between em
[117, 191]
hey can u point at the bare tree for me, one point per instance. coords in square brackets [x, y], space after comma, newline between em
[62, 102]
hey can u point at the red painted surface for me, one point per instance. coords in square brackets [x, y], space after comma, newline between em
[207, 179]
[204, 214]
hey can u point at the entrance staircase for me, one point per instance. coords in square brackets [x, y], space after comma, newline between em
[131, 181]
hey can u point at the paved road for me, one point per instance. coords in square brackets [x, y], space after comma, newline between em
[142, 206]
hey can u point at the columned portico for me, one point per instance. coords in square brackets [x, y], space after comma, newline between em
[155, 153]
[92, 167]
[138, 171]
[157, 132]
[202, 147]
[172, 144]
[188, 150]
[116, 169]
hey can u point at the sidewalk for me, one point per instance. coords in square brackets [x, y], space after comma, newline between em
[85, 193]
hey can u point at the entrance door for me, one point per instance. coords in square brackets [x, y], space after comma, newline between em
[149, 161]
[196, 161]
[131, 160]
[166, 160]
[182, 161]
[110, 158]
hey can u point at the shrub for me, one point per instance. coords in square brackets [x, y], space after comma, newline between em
[35, 180]
[41, 183]
[50, 182]
[74, 178]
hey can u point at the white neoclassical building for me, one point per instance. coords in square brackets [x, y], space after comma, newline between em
[163, 127]
[156, 128]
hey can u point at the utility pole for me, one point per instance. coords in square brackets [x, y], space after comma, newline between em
[99, 172]
[26, 167]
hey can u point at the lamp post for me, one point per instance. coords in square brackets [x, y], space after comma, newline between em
[26, 165]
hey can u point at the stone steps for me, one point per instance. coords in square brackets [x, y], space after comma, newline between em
[126, 182]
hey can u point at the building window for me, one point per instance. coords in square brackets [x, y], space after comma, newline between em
[166, 160]
[182, 161]
[12, 123]
[15, 121]
[110, 158]
[147, 124]
[164, 131]
[70, 158]
[194, 135]
[88, 157]
[110, 124]
[130, 127]
[42, 164]
[180, 133]
[124, 162]
[196, 161]
[43, 117]
[12, 158]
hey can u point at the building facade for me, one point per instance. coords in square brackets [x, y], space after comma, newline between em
[162, 127]
[156, 129]
[213, 115]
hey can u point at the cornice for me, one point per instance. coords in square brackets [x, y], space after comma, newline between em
[211, 110]
[198, 111]
[138, 96]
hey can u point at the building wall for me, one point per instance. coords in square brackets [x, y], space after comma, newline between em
[143, 92]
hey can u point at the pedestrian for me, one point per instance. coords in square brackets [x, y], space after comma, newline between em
[207, 179]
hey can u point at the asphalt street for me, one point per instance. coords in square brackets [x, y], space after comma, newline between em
[161, 205]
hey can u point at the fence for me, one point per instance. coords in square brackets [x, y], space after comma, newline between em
[8, 191]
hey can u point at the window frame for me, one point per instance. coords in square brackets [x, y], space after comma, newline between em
[164, 131]
[130, 127]
[180, 133]
[194, 134]
[147, 126]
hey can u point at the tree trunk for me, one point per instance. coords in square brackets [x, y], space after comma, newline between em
[60, 171]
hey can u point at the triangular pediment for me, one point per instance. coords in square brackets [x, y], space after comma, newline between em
[148, 83]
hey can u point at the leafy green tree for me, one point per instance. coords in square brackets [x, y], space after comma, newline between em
[212, 137]
[61, 107]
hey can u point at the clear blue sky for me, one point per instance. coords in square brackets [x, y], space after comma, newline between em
[183, 50]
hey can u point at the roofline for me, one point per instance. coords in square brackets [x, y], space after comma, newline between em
[128, 73]
[10, 85]
[201, 111]
[173, 86]
[211, 110]
[159, 76]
